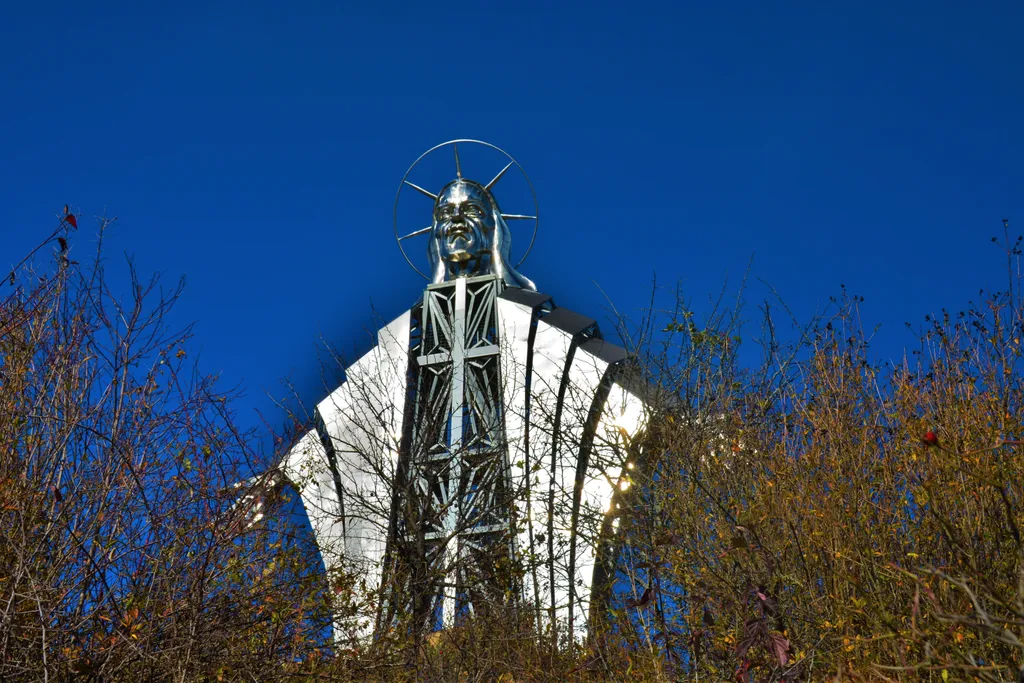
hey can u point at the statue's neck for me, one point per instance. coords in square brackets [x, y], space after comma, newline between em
[470, 267]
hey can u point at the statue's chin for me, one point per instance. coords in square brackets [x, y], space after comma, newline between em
[459, 256]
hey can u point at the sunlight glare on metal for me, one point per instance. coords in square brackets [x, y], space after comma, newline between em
[631, 418]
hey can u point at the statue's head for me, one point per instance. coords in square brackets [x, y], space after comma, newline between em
[464, 223]
[469, 236]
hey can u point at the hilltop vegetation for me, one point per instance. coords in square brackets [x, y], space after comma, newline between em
[825, 515]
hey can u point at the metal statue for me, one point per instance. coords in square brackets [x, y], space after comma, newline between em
[470, 237]
[472, 459]
[469, 234]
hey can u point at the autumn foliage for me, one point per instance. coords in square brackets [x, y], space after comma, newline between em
[124, 554]
[830, 514]
[824, 515]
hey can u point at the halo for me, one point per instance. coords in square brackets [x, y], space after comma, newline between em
[399, 238]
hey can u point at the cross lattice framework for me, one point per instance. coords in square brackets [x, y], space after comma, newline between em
[472, 459]
[454, 531]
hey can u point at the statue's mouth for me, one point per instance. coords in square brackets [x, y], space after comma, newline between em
[459, 237]
[459, 246]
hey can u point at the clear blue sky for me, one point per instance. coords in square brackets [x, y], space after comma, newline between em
[256, 148]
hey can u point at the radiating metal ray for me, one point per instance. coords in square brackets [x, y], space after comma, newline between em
[517, 217]
[421, 190]
[458, 168]
[414, 233]
[494, 182]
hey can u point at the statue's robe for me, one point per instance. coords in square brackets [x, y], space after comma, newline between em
[567, 424]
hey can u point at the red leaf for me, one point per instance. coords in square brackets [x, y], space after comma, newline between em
[72, 221]
[930, 439]
[780, 648]
[743, 646]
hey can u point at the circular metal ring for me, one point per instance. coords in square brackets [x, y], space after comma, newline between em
[401, 185]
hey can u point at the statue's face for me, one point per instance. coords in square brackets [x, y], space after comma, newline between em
[463, 223]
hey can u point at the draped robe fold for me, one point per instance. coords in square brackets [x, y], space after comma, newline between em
[566, 427]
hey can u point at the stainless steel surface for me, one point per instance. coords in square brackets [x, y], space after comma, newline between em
[456, 496]
[451, 253]
[471, 459]
[474, 439]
